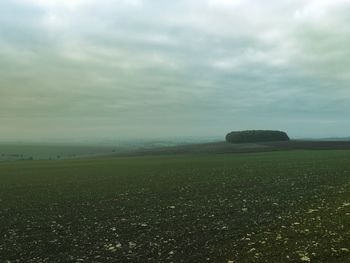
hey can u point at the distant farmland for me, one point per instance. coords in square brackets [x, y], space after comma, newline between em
[286, 206]
[224, 147]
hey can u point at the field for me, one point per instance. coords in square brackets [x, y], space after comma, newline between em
[224, 147]
[285, 206]
[21, 151]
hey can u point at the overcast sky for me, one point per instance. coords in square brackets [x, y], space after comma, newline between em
[157, 68]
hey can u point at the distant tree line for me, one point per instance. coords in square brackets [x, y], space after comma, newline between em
[256, 136]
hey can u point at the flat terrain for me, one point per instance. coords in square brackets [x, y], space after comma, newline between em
[59, 151]
[224, 147]
[285, 206]
[20, 151]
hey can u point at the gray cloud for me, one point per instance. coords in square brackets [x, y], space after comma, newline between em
[147, 68]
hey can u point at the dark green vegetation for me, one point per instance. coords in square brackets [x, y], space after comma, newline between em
[291, 206]
[256, 136]
[224, 147]
[50, 151]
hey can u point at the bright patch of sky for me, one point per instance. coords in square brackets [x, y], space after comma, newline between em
[151, 68]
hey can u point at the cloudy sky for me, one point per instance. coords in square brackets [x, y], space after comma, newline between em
[158, 68]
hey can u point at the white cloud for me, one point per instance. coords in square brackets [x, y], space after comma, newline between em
[71, 5]
[189, 59]
[225, 3]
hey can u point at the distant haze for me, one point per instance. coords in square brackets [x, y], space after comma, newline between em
[93, 69]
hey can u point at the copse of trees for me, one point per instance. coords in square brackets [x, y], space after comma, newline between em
[256, 136]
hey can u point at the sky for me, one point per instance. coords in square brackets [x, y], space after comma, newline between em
[102, 69]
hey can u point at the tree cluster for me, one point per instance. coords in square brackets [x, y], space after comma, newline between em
[256, 136]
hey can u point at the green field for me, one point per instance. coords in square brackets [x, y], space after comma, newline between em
[16, 152]
[277, 207]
